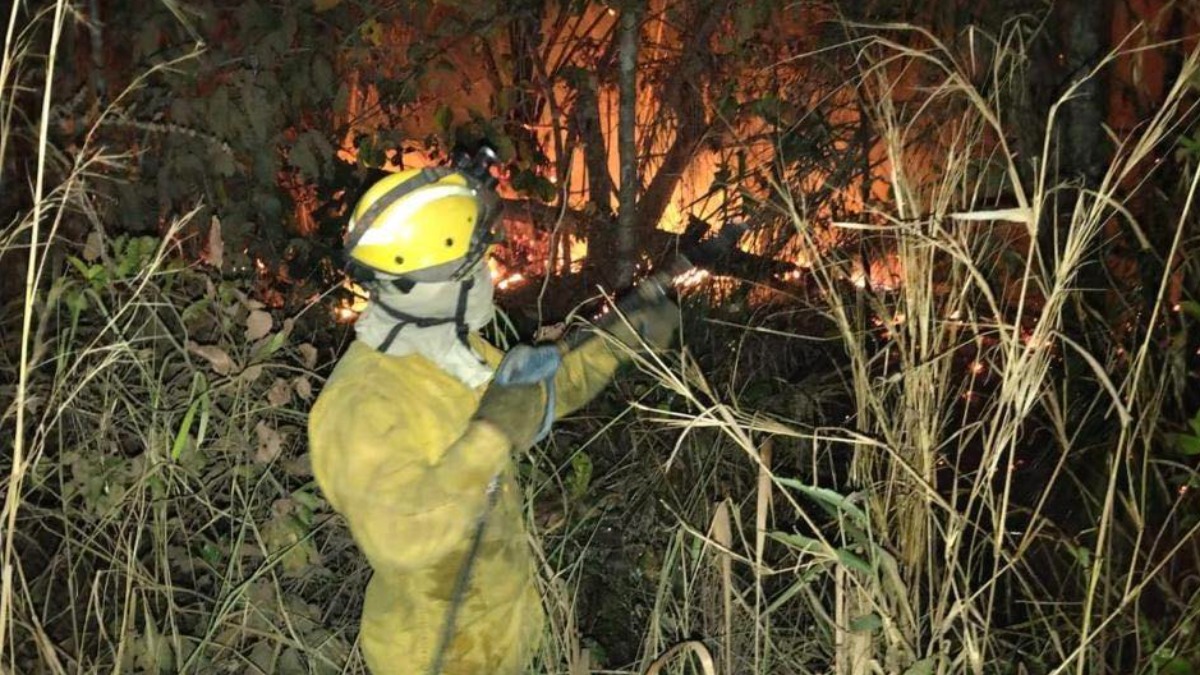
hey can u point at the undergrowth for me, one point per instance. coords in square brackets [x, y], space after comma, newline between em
[940, 470]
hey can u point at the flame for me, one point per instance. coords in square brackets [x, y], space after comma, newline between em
[704, 188]
[347, 310]
[886, 273]
[577, 250]
[510, 281]
[691, 278]
[502, 278]
[344, 313]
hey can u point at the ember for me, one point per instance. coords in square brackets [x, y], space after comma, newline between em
[348, 309]
[510, 281]
[344, 313]
[692, 278]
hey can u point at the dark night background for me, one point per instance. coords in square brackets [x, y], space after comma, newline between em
[937, 413]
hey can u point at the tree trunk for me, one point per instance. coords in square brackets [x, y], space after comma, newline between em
[682, 96]
[1085, 148]
[627, 145]
[595, 155]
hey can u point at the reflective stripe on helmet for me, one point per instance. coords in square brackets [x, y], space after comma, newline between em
[385, 232]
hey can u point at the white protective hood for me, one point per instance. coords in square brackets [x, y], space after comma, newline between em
[439, 343]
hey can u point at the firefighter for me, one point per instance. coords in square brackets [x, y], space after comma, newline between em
[414, 435]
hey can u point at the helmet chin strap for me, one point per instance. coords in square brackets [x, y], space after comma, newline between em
[404, 319]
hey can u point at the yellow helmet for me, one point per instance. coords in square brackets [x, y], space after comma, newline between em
[423, 225]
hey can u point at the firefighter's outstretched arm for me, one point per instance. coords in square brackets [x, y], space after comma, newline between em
[587, 368]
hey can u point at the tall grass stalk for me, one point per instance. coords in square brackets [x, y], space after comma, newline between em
[941, 540]
[19, 466]
[156, 517]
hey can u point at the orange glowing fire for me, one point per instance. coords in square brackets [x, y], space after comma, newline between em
[530, 254]
[347, 310]
[510, 281]
[885, 274]
[344, 313]
[502, 278]
[691, 278]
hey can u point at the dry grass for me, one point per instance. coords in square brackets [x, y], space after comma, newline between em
[961, 391]
[158, 515]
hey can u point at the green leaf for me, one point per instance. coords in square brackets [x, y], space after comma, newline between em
[1185, 444]
[256, 112]
[443, 117]
[323, 78]
[220, 112]
[1176, 666]
[304, 515]
[199, 405]
[76, 301]
[211, 554]
[836, 502]
[853, 562]
[307, 499]
[528, 182]
[799, 541]
[1082, 554]
[1194, 423]
[1191, 308]
[581, 474]
[181, 436]
[311, 154]
[845, 557]
[1190, 145]
[205, 414]
[222, 162]
[302, 157]
[867, 623]
[271, 345]
[922, 667]
[505, 148]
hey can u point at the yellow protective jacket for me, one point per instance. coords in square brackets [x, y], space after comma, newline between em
[395, 452]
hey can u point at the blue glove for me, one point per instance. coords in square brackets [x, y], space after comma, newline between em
[525, 365]
[522, 387]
